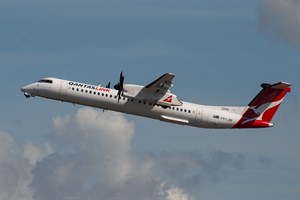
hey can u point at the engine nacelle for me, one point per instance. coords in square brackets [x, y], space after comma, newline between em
[144, 94]
[169, 99]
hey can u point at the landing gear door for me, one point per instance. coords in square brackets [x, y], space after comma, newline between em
[63, 88]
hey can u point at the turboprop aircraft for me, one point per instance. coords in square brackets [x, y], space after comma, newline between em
[156, 101]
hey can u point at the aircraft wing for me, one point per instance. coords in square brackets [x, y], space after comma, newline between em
[162, 84]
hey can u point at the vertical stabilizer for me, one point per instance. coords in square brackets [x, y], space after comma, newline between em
[263, 107]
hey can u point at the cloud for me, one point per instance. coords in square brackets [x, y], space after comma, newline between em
[281, 19]
[17, 161]
[33, 153]
[89, 156]
[173, 193]
[94, 159]
[92, 156]
[193, 169]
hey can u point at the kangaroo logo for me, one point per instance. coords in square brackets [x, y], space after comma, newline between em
[255, 110]
[260, 110]
[168, 99]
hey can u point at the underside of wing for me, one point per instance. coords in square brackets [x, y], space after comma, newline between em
[162, 84]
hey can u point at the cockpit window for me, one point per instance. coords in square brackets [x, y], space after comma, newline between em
[45, 81]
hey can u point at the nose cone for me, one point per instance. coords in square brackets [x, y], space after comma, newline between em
[23, 89]
[28, 90]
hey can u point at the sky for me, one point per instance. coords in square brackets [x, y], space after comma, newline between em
[220, 51]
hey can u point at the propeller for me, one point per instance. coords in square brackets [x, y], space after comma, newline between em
[108, 85]
[119, 86]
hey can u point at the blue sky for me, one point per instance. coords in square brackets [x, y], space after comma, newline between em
[220, 52]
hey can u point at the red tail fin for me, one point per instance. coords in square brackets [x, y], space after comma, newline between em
[263, 107]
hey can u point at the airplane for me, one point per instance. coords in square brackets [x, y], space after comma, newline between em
[157, 102]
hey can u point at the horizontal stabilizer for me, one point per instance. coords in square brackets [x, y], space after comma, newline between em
[283, 86]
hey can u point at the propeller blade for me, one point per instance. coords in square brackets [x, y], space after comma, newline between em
[121, 79]
[121, 75]
[108, 85]
[119, 95]
[117, 86]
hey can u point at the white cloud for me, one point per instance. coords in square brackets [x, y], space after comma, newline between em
[16, 164]
[281, 19]
[173, 193]
[91, 157]
[34, 153]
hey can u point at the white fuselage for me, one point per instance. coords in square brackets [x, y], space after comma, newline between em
[106, 98]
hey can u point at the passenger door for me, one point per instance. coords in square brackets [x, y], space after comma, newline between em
[63, 88]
